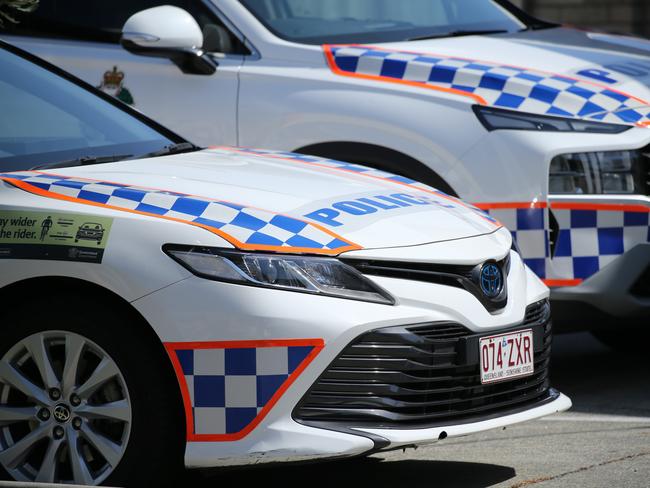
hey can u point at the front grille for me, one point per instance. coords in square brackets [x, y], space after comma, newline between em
[459, 276]
[448, 274]
[423, 375]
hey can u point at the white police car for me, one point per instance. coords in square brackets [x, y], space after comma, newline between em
[541, 125]
[237, 306]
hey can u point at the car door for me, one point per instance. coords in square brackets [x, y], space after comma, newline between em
[83, 38]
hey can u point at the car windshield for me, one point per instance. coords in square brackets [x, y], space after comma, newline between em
[364, 21]
[45, 119]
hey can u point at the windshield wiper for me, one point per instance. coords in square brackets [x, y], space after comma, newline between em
[182, 147]
[459, 33]
[83, 161]
[87, 160]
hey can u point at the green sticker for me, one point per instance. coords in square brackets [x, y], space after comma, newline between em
[56, 236]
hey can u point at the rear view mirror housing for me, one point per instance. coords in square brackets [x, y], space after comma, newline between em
[168, 32]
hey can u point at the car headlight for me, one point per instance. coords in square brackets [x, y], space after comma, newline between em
[612, 172]
[496, 119]
[306, 274]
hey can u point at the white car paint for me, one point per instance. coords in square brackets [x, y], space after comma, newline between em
[284, 96]
[186, 309]
[165, 26]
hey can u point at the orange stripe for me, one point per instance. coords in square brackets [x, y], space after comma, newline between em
[559, 283]
[243, 344]
[313, 224]
[332, 64]
[235, 242]
[172, 347]
[185, 393]
[510, 205]
[611, 207]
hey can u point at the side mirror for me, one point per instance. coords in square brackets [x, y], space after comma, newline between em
[168, 32]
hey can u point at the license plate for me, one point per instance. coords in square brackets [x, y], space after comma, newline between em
[506, 356]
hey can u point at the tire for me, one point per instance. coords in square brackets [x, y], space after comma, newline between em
[621, 342]
[148, 432]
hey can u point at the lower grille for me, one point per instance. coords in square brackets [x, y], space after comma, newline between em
[421, 376]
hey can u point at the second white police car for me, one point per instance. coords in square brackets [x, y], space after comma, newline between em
[230, 307]
[541, 125]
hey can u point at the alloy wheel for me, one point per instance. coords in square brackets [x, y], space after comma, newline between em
[65, 412]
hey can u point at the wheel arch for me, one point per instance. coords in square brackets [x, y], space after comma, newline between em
[79, 289]
[379, 157]
[47, 285]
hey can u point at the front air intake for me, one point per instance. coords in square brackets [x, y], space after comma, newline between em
[421, 376]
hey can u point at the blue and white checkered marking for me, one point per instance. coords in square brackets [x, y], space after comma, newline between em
[508, 87]
[529, 228]
[588, 240]
[228, 388]
[249, 226]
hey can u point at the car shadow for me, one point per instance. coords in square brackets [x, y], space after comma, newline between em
[598, 379]
[366, 472]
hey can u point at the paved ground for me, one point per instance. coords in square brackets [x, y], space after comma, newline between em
[604, 441]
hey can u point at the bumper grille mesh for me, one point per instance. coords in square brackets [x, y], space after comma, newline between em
[421, 376]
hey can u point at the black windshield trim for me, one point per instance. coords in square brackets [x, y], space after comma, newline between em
[463, 33]
[532, 22]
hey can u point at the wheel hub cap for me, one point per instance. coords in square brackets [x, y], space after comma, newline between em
[62, 413]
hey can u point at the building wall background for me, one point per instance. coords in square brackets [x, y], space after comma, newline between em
[617, 16]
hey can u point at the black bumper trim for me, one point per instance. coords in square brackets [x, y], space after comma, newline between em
[608, 299]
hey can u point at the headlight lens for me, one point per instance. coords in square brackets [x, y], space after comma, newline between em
[315, 275]
[613, 172]
[496, 118]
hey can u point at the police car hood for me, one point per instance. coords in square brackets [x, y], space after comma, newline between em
[272, 199]
[597, 61]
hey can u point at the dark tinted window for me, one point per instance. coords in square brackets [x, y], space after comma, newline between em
[102, 21]
[45, 118]
[362, 21]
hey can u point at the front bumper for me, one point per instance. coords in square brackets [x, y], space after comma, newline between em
[293, 442]
[418, 377]
[473, 408]
[617, 296]
[557, 402]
